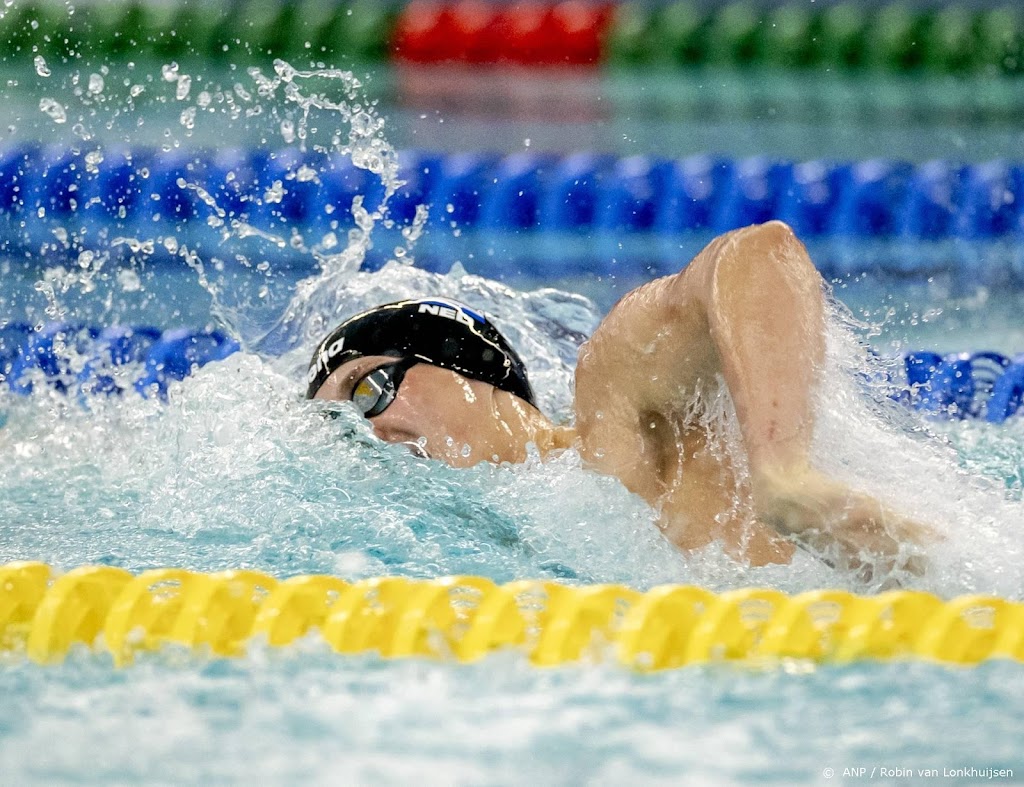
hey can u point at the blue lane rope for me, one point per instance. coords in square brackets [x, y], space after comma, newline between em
[521, 192]
[92, 360]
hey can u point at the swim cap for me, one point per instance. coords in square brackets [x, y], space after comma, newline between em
[442, 333]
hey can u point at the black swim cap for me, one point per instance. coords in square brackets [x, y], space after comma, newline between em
[443, 333]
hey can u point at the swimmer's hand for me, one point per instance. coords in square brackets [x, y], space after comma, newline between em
[846, 528]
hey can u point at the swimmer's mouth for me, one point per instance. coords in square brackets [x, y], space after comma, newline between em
[416, 449]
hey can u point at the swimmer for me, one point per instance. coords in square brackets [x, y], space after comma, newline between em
[747, 311]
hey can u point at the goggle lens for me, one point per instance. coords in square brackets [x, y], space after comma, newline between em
[375, 392]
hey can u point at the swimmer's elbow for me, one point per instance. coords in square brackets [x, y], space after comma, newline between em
[771, 242]
[773, 232]
[753, 253]
[752, 260]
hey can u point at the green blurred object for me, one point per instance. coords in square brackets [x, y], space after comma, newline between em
[362, 29]
[841, 36]
[157, 27]
[730, 39]
[38, 27]
[1000, 41]
[229, 35]
[115, 29]
[191, 29]
[266, 27]
[630, 37]
[949, 43]
[893, 39]
[787, 38]
[678, 35]
[312, 19]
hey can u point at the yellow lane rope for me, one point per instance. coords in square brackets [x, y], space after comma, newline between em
[465, 617]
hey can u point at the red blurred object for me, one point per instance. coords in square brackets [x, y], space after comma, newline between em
[528, 35]
[579, 28]
[524, 33]
[477, 38]
[424, 33]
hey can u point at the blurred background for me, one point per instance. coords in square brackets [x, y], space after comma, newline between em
[589, 145]
[684, 118]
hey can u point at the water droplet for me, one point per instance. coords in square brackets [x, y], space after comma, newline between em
[96, 84]
[184, 86]
[41, 68]
[54, 109]
[362, 124]
[129, 280]
[306, 174]
[274, 193]
[93, 159]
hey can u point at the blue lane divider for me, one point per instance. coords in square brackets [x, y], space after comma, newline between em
[985, 385]
[45, 186]
[92, 360]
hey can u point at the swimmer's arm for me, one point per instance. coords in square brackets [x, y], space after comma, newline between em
[764, 304]
[750, 308]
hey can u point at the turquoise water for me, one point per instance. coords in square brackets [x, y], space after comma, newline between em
[287, 717]
[237, 471]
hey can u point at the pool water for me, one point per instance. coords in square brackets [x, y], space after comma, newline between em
[289, 717]
[236, 471]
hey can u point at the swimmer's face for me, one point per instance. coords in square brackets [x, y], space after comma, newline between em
[436, 411]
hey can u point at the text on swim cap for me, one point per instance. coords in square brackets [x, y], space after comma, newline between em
[439, 310]
[323, 357]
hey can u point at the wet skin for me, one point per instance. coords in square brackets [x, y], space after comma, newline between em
[746, 312]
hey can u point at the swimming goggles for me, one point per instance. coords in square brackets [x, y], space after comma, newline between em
[375, 392]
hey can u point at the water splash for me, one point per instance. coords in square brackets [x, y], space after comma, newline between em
[54, 109]
[322, 112]
[864, 438]
[539, 517]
